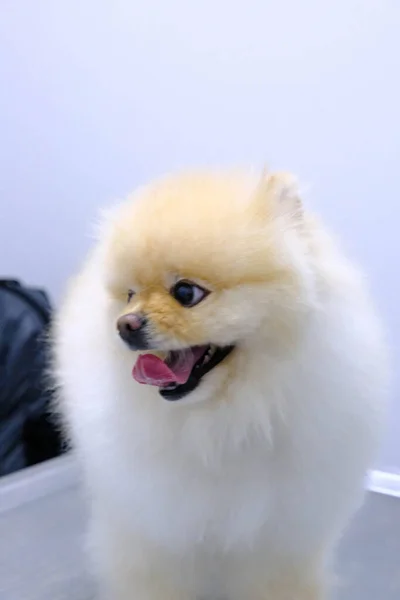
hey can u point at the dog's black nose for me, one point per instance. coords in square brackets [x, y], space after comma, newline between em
[132, 329]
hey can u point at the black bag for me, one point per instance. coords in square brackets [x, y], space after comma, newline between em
[27, 432]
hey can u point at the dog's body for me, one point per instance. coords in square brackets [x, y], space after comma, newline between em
[240, 489]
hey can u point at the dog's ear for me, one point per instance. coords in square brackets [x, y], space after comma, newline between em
[277, 194]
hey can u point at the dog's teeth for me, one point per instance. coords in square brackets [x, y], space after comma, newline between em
[209, 354]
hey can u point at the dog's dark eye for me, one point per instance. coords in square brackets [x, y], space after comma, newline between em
[188, 294]
[130, 295]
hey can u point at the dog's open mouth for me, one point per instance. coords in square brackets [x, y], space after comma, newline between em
[182, 370]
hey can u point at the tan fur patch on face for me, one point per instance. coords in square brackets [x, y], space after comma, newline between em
[201, 228]
[303, 582]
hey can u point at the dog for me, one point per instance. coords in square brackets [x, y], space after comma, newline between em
[222, 376]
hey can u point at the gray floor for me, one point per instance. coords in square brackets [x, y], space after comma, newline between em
[41, 540]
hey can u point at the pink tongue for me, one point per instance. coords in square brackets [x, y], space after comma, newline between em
[151, 370]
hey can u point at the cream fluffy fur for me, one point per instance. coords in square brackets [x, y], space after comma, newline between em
[241, 490]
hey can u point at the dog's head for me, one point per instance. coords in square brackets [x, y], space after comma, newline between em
[202, 268]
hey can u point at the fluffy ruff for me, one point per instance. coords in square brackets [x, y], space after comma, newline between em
[240, 487]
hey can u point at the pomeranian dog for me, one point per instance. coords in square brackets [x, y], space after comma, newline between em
[222, 376]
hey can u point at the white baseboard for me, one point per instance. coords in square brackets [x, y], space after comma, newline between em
[36, 482]
[384, 483]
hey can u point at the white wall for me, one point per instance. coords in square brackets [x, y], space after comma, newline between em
[97, 96]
